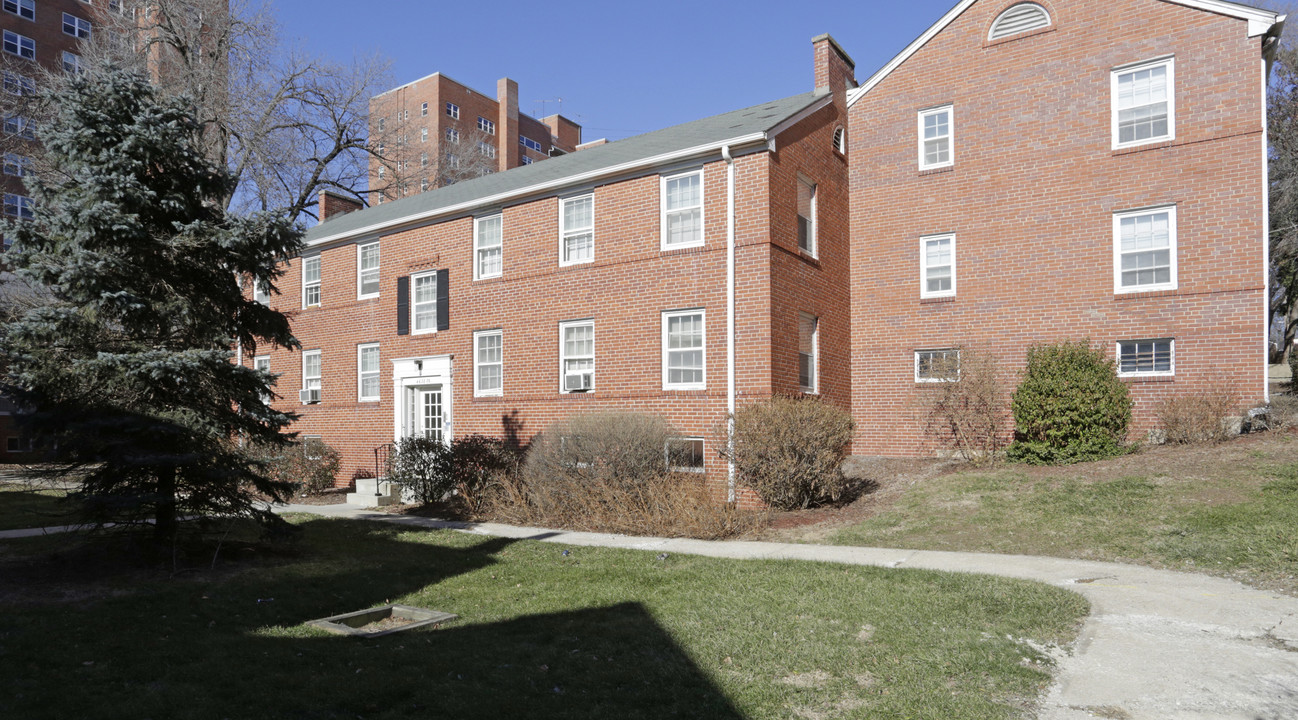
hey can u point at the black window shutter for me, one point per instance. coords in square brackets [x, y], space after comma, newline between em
[403, 305]
[443, 300]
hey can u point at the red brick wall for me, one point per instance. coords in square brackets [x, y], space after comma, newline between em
[1031, 198]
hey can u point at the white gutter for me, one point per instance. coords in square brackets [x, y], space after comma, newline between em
[539, 188]
[730, 322]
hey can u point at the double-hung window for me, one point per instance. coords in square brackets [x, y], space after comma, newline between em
[18, 206]
[17, 165]
[423, 305]
[1144, 104]
[75, 26]
[16, 84]
[807, 217]
[486, 125]
[487, 149]
[260, 292]
[683, 350]
[577, 230]
[423, 135]
[937, 137]
[937, 365]
[20, 126]
[367, 271]
[311, 281]
[937, 266]
[488, 261]
[452, 135]
[682, 210]
[1144, 250]
[311, 375]
[72, 63]
[1146, 357]
[453, 111]
[367, 372]
[261, 363]
[22, 8]
[488, 363]
[20, 45]
[577, 356]
[808, 353]
[685, 454]
[423, 110]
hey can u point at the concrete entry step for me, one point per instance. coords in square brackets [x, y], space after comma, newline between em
[372, 492]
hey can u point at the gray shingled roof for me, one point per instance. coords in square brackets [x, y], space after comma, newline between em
[715, 129]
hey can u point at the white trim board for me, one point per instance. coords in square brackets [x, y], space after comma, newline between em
[1260, 22]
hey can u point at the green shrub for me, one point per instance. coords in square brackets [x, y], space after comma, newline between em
[465, 468]
[1070, 406]
[790, 450]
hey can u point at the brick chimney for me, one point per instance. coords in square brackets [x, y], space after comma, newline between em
[834, 68]
[507, 123]
[333, 204]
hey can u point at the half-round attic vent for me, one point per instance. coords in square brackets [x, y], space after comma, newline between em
[1019, 19]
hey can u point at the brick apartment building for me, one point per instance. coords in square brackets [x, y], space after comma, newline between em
[435, 132]
[38, 36]
[1022, 172]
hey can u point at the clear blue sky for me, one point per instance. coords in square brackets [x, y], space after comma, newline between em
[622, 67]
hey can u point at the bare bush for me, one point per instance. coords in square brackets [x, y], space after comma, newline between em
[608, 472]
[312, 464]
[790, 450]
[1198, 417]
[969, 410]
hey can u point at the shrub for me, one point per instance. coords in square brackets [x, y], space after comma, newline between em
[1198, 417]
[1070, 406]
[478, 464]
[968, 411]
[466, 468]
[311, 464]
[607, 472]
[422, 466]
[790, 450]
[1293, 366]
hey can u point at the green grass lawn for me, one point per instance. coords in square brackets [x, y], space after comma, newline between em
[597, 633]
[24, 507]
[1234, 515]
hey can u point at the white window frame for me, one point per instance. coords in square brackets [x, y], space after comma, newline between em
[361, 270]
[478, 364]
[563, 357]
[479, 249]
[452, 135]
[414, 305]
[924, 266]
[362, 374]
[486, 126]
[25, 47]
[453, 110]
[565, 231]
[1170, 62]
[663, 212]
[1171, 350]
[306, 286]
[423, 135]
[80, 26]
[1118, 288]
[423, 110]
[17, 165]
[814, 387]
[318, 379]
[949, 109]
[487, 149]
[813, 239]
[667, 315]
[16, 7]
[72, 63]
[18, 206]
[667, 453]
[260, 292]
[18, 84]
[262, 362]
[20, 126]
[918, 353]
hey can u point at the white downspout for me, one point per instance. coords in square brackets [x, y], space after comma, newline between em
[730, 322]
[1266, 241]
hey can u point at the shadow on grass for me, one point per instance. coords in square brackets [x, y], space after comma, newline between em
[233, 644]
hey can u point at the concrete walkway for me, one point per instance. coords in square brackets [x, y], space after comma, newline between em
[1158, 644]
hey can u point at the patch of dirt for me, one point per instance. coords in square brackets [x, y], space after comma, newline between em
[387, 623]
[333, 496]
[813, 679]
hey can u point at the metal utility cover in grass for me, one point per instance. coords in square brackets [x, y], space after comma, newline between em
[383, 620]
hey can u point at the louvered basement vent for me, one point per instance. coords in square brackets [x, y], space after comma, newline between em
[1020, 19]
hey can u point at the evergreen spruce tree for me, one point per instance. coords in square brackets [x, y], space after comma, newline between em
[128, 368]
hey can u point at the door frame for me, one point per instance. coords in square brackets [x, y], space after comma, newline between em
[416, 372]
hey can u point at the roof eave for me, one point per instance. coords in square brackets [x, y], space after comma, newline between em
[545, 187]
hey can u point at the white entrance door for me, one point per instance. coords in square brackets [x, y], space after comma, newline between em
[426, 412]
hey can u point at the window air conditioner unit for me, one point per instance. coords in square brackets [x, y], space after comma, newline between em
[309, 397]
[578, 382]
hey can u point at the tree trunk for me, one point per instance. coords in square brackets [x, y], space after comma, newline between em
[164, 528]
